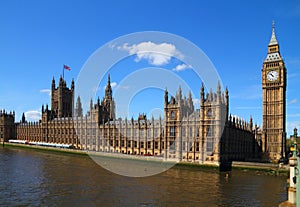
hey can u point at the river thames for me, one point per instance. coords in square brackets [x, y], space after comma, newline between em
[42, 178]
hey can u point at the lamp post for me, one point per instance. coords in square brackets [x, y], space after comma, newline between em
[297, 175]
[295, 142]
[293, 193]
[1, 134]
[293, 161]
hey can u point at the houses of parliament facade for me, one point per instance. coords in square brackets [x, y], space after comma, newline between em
[205, 135]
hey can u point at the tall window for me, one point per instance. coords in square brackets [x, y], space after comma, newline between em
[209, 113]
[172, 131]
[197, 146]
[142, 133]
[172, 145]
[191, 146]
[191, 132]
[172, 115]
[209, 145]
[156, 145]
[156, 132]
[183, 131]
[210, 131]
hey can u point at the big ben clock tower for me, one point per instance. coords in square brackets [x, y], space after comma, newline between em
[274, 102]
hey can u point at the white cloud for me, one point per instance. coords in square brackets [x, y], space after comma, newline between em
[196, 101]
[247, 107]
[99, 88]
[96, 88]
[293, 115]
[46, 91]
[155, 54]
[292, 75]
[182, 67]
[113, 85]
[126, 87]
[293, 101]
[33, 115]
[112, 46]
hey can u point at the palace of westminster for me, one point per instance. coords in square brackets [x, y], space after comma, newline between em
[208, 134]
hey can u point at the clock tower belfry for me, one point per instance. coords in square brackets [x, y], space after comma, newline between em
[274, 102]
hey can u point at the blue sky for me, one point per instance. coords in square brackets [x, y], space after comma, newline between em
[38, 37]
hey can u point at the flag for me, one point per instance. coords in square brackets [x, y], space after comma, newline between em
[67, 67]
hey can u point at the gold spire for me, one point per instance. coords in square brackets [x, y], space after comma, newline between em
[273, 40]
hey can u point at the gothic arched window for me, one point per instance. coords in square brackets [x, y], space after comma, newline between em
[172, 115]
[209, 113]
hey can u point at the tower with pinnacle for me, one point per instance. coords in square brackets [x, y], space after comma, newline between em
[214, 109]
[274, 102]
[62, 98]
[108, 101]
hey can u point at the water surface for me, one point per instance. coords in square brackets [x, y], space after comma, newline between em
[38, 178]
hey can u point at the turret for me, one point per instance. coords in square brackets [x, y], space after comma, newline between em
[227, 102]
[179, 95]
[72, 85]
[53, 84]
[211, 95]
[230, 119]
[23, 118]
[219, 91]
[190, 100]
[98, 101]
[108, 90]
[202, 95]
[166, 97]
[61, 81]
[91, 104]
[78, 110]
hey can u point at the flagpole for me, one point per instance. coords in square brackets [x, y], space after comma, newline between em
[63, 72]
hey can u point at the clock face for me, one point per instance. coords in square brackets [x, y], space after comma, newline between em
[272, 75]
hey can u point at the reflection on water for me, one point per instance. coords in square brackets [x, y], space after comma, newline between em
[34, 178]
